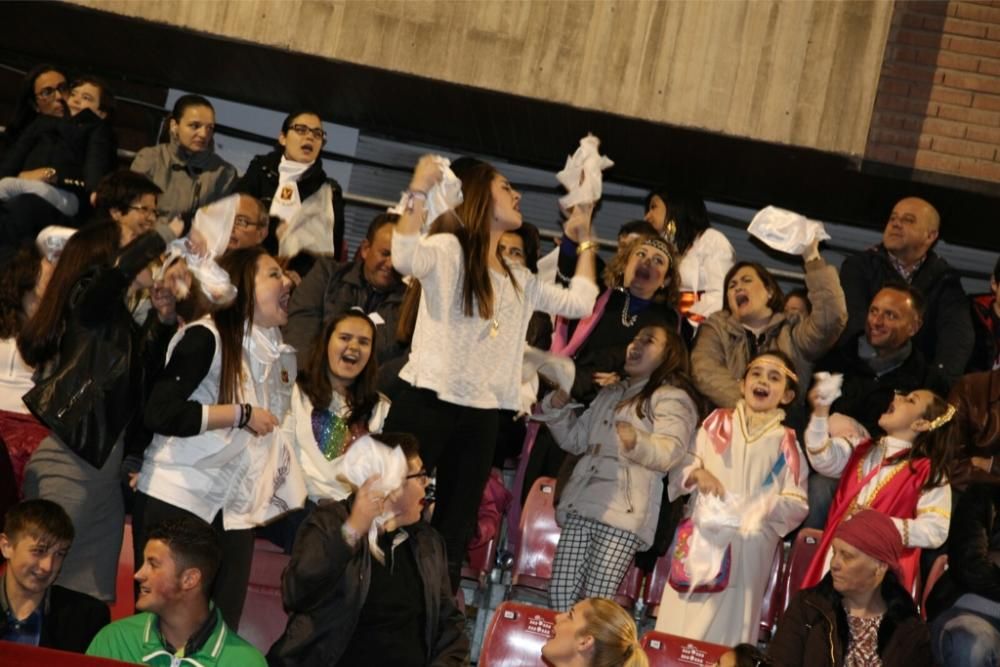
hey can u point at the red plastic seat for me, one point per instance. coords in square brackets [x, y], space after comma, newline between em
[124, 605]
[803, 549]
[769, 608]
[630, 588]
[666, 650]
[539, 537]
[264, 618]
[22, 655]
[516, 635]
[938, 568]
[654, 585]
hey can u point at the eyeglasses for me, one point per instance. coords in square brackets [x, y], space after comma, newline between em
[243, 222]
[148, 211]
[303, 130]
[49, 91]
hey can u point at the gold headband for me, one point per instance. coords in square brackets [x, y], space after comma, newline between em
[942, 419]
[660, 245]
[759, 361]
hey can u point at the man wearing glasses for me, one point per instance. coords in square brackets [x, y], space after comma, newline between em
[249, 225]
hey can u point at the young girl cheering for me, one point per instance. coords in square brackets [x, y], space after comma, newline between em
[468, 341]
[903, 474]
[334, 402]
[747, 452]
[634, 432]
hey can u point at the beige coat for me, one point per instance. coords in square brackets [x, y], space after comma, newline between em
[721, 351]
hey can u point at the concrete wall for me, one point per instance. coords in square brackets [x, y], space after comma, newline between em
[795, 72]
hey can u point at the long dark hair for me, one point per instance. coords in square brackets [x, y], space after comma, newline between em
[776, 302]
[25, 109]
[688, 213]
[234, 322]
[674, 370]
[93, 245]
[19, 278]
[940, 446]
[362, 395]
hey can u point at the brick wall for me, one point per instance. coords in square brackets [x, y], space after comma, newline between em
[938, 102]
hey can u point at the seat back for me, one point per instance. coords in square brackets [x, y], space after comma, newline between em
[655, 584]
[539, 537]
[631, 588]
[769, 607]
[516, 635]
[938, 568]
[23, 655]
[666, 650]
[803, 550]
[264, 618]
[124, 605]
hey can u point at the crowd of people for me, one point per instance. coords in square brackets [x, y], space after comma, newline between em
[194, 347]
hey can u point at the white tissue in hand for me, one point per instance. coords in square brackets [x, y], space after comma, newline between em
[365, 458]
[443, 196]
[51, 241]
[215, 223]
[582, 174]
[827, 387]
[786, 231]
[560, 370]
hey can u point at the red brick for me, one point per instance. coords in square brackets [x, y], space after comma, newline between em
[976, 47]
[984, 84]
[964, 148]
[918, 38]
[900, 53]
[896, 138]
[916, 21]
[951, 96]
[944, 128]
[901, 103]
[894, 121]
[933, 7]
[978, 13]
[985, 134]
[879, 153]
[987, 66]
[984, 101]
[893, 87]
[911, 72]
[963, 27]
[983, 171]
[957, 61]
[933, 161]
[966, 115]
[993, 31]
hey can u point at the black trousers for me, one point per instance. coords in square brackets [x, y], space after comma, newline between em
[229, 590]
[458, 441]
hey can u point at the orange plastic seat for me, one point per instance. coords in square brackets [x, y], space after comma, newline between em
[264, 618]
[515, 636]
[124, 605]
[539, 537]
[803, 550]
[666, 650]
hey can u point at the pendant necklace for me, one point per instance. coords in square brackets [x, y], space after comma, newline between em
[628, 320]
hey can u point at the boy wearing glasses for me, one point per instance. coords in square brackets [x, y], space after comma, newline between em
[349, 607]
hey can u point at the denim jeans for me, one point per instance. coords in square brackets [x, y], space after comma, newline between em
[964, 638]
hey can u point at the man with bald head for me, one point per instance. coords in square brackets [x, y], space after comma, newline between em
[905, 256]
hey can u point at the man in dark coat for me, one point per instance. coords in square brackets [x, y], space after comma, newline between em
[946, 338]
[37, 535]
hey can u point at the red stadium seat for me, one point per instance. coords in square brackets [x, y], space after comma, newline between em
[631, 588]
[539, 537]
[769, 608]
[654, 586]
[803, 549]
[516, 635]
[938, 568]
[22, 655]
[124, 605]
[264, 618]
[666, 650]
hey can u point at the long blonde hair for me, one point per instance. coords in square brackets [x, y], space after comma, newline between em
[616, 640]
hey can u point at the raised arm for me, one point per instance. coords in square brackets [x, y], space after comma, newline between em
[817, 332]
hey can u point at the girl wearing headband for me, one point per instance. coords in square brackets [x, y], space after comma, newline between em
[741, 454]
[902, 474]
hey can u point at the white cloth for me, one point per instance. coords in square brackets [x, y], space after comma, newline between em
[829, 457]
[786, 231]
[732, 615]
[215, 223]
[324, 479]
[286, 201]
[51, 241]
[827, 387]
[445, 195]
[311, 226]
[582, 174]
[453, 354]
[368, 457]
[703, 269]
[15, 377]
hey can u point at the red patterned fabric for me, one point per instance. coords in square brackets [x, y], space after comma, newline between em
[21, 433]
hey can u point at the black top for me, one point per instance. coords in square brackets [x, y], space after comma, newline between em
[169, 410]
[390, 628]
[70, 619]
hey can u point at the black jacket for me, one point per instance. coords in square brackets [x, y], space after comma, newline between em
[80, 148]
[987, 327]
[813, 631]
[70, 621]
[261, 181]
[326, 583]
[98, 381]
[974, 532]
[946, 337]
[865, 395]
[331, 288]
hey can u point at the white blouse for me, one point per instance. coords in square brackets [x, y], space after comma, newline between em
[703, 269]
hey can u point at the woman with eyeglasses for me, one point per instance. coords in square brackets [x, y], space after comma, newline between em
[291, 183]
[187, 168]
[43, 93]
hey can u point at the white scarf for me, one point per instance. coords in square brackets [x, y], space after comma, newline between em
[287, 201]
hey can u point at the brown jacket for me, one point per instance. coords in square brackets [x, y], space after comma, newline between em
[976, 397]
[721, 352]
[812, 633]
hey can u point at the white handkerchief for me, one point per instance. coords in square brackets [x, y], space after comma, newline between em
[444, 196]
[51, 241]
[827, 387]
[582, 174]
[786, 231]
